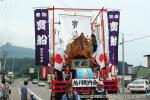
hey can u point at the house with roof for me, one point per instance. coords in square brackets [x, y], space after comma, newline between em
[141, 72]
[148, 60]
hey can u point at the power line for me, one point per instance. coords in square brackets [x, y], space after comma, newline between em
[143, 37]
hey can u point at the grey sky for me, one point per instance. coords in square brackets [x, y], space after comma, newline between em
[17, 22]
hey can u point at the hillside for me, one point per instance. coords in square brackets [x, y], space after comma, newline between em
[17, 52]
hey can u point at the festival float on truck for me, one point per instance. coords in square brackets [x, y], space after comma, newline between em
[81, 40]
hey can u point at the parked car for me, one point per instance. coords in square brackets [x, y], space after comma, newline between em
[41, 83]
[34, 81]
[139, 85]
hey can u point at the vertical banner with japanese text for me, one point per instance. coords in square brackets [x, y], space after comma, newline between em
[113, 29]
[41, 37]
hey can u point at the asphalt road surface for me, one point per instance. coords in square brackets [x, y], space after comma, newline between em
[41, 93]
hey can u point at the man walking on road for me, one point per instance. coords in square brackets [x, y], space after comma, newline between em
[24, 91]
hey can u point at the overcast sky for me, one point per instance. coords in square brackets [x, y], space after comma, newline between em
[17, 22]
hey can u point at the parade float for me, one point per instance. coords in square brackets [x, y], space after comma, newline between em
[91, 62]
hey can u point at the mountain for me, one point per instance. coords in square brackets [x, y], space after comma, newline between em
[17, 52]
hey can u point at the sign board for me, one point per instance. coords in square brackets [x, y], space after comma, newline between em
[31, 70]
[80, 63]
[84, 82]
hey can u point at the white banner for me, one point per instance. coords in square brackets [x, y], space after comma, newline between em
[31, 70]
[84, 82]
[73, 26]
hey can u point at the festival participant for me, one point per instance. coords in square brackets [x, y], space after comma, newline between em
[70, 94]
[67, 74]
[100, 93]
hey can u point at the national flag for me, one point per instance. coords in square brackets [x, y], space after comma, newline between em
[101, 58]
[59, 59]
[59, 55]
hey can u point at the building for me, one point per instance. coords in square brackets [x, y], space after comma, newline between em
[148, 60]
[128, 69]
[141, 72]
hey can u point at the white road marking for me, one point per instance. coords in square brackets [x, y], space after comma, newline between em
[34, 94]
[19, 91]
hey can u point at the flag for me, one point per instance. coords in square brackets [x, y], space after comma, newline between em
[101, 58]
[59, 55]
[113, 29]
[59, 59]
[73, 26]
[41, 36]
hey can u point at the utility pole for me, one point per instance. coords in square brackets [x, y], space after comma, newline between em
[123, 66]
[13, 65]
[0, 66]
[38, 73]
[5, 58]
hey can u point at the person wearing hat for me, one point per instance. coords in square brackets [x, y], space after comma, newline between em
[67, 74]
[100, 92]
[70, 94]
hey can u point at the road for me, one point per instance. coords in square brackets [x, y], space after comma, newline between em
[41, 93]
[129, 96]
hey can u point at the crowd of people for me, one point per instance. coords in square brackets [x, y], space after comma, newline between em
[5, 90]
[99, 94]
[67, 75]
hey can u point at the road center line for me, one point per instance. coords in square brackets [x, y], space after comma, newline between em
[34, 94]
